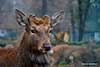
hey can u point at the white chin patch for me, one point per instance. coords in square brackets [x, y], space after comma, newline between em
[50, 52]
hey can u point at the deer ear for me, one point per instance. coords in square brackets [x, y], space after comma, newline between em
[20, 17]
[57, 17]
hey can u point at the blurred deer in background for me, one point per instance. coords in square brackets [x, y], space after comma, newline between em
[62, 37]
[63, 52]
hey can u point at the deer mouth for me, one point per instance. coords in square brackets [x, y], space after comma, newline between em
[41, 56]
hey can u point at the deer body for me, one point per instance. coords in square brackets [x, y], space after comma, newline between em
[63, 52]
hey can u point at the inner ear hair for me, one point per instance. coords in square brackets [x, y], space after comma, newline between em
[20, 12]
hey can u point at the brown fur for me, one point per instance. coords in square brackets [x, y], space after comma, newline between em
[31, 44]
[62, 52]
[31, 50]
[7, 57]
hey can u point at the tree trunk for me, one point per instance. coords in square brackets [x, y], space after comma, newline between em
[72, 23]
[82, 17]
[80, 20]
[44, 7]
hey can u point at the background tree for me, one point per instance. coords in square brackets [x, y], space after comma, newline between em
[83, 9]
[72, 12]
[44, 7]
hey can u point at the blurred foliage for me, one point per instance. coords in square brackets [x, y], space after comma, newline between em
[84, 15]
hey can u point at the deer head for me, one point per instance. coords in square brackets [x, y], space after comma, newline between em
[37, 29]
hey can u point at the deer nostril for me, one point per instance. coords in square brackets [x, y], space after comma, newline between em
[47, 46]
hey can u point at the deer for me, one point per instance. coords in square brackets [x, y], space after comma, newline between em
[66, 52]
[32, 48]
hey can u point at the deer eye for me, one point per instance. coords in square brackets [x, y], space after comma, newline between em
[33, 30]
[50, 31]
